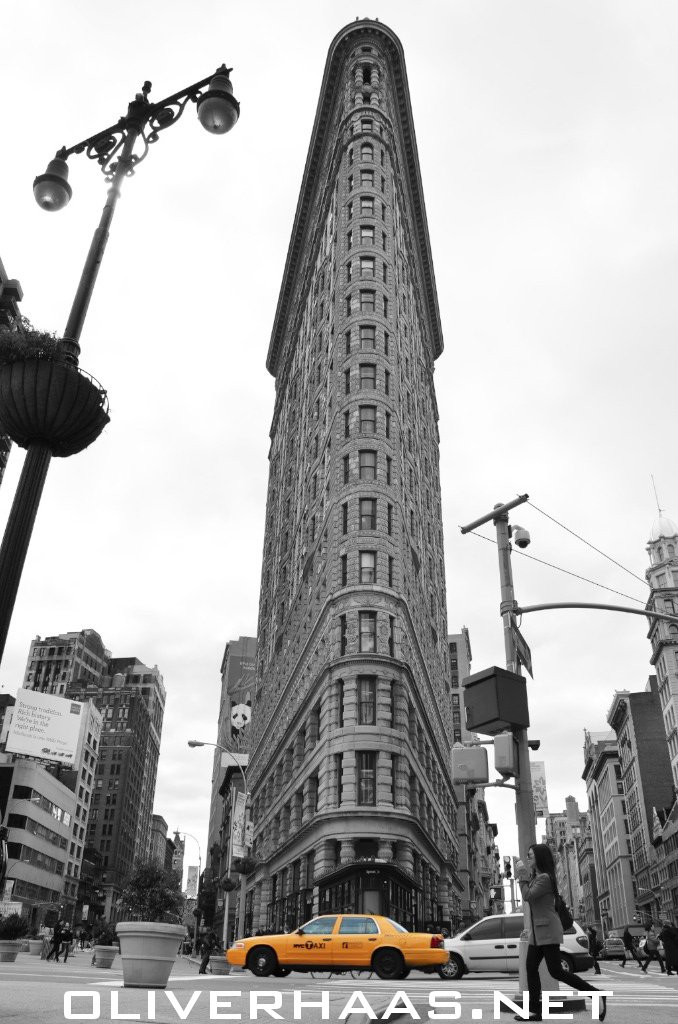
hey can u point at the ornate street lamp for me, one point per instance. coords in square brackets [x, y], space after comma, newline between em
[53, 407]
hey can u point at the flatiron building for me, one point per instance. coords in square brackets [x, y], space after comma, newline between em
[352, 797]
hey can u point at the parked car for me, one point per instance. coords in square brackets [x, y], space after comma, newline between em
[613, 948]
[342, 942]
[492, 945]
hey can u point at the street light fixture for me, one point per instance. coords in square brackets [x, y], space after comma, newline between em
[243, 880]
[43, 421]
[197, 893]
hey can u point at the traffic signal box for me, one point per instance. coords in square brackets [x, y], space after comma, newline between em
[495, 700]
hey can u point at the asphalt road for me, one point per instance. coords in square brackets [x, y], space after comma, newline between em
[33, 991]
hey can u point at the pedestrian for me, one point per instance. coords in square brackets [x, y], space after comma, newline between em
[66, 940]
[627, 939]
[652, 949]
[56, 942]
[46, 943]
[594, 947]
[539, 888]
[669, 936]
[209, 945]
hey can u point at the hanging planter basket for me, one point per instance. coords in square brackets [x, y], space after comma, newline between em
[51, 403]
[229, 884]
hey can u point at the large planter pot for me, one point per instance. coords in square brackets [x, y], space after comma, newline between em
[24, 946]
[9, 950]
[35, 947]
[219, 964]
[56, 404]
[149, 951]
[104, 955]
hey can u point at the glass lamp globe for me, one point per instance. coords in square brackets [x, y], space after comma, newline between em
[218, 110]
[51, 189]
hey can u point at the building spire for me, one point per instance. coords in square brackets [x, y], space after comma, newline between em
[656, 498]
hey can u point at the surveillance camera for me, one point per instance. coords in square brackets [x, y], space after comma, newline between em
[534, 744]
[521, 537]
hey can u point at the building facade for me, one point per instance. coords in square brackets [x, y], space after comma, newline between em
[353, 802]
[610, 833]
[563, 832]
[158, 844]
[646, 774]
[130, 697]
[662, 578]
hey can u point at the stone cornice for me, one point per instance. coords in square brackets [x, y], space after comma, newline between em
[337, 55]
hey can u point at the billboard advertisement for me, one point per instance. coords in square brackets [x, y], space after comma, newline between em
[541, 800]
[192, 882]
[44, 726]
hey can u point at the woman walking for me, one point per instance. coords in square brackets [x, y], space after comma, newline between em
[538, 887]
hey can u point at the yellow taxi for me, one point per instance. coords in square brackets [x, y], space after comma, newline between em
[341, 942]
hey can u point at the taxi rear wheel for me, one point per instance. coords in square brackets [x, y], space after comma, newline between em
[388, 964]
[262, 961]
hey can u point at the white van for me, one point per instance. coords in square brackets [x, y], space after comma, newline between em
[492, 945]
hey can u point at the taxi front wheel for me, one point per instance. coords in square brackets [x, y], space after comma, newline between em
[388, 964]
[262, 961]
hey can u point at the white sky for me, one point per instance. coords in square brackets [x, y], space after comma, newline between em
[548, 146]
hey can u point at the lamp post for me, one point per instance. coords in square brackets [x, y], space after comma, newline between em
[243, 879]
[197, 894]
[54, 408]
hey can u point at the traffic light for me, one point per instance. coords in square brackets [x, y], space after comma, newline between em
[507, 867]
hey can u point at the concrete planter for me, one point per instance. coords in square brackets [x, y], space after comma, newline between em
[219, 964]
[149, 951]
[35, 947]
[9, 950]
[104, 955]
[24, 946]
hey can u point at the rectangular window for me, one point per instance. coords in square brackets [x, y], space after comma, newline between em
[344, 570]
[367, 700]
[367, 518]
[391, 651]
[387, 422]
[367, 206]
[383, 211]
[368, 566]
[367, 301]
[349, 271]
[389, 519]
[383, 183]
[367, 622]
[342, 635]
[387, 382]
[367, 266]
[344, 518]
[366, 124]
[368, 337]
[348, 305]
[339, 768]
[347, 430]
[345, 469]
[340, 703]
[389, 463]
[385, 306]
[367, 179]
[350, 182]
[368, 419]
[367, 465]
[367, 777]
[347, 382]
[349, 211]
[390, 570]
[347, 337]
[366, 234]
[384, 273]
[349, 239]
[383, 241]
[368, 376]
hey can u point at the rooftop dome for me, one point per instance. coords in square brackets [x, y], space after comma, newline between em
[663, 527]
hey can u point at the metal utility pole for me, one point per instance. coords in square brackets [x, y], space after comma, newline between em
[524, 800]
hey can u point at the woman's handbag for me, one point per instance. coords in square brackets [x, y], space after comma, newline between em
[563, 913]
